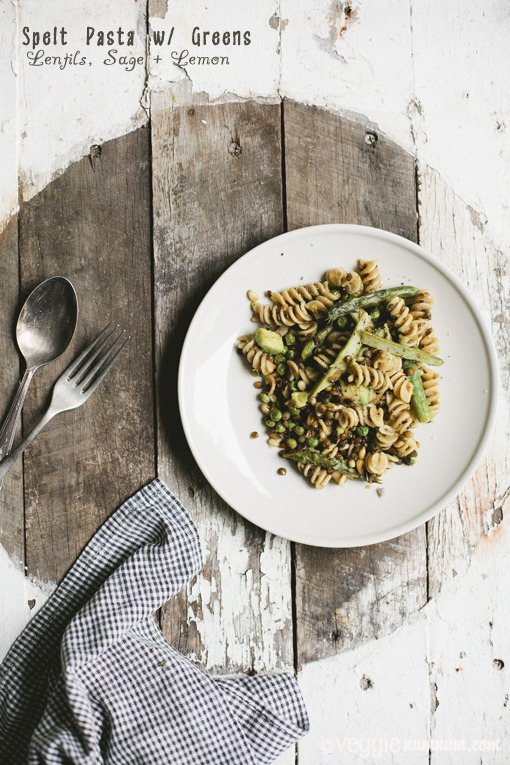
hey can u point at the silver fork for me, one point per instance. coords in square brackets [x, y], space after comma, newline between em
[75, 385]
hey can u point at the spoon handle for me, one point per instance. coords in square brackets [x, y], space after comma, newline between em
[10, 423]
[8, 462]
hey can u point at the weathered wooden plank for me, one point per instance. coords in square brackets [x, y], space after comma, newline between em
[339, 172]
[455, 233]
[217, 194]
[12, 532]
[92, 225]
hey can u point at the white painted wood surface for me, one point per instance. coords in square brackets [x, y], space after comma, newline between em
[407, 67]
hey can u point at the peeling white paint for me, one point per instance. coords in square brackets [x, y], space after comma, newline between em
[20, 600]
[63, 112]
[8, 115]
[387, 690]
[361, 700]
[255, 612]
[358, 61]
[252, 69]
[468, 629]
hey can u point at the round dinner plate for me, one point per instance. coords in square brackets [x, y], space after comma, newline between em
[220, 407]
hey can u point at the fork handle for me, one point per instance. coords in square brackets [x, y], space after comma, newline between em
[8, 462]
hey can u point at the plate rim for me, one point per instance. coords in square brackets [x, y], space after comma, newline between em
[396, 531]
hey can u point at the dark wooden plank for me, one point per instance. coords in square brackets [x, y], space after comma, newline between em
[11, 494]
[92, 225]
[217, 194]
[338, 171]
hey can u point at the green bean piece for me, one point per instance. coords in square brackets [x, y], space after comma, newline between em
[291, 425]
[313, 442]
[308, 349]
[291, 355]
[276, 415]
[419, 403]
[299, 430]
[362, 430]
[369, 300]
[375, 314]
[289, 339]
[270, 423]
[264, 398]
[291, 443]
[350, 351]
[279, 428]
[405, 351]
[330, 463]
[281, 369]
[323, 333]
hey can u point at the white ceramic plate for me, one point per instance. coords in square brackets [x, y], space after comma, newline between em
[220, 406]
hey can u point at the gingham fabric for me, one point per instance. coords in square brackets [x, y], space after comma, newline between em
[92, 679]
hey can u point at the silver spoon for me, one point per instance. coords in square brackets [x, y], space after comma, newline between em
[44, 329]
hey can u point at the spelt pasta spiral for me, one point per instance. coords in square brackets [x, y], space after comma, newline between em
[259, 360]
[368, 376]
[369, 271]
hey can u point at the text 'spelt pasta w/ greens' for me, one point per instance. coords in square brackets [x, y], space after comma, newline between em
[347, 373]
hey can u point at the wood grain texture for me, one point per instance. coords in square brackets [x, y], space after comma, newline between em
[11, 494]
[92, 225]
[339, 172]
[217, 193]
[456, 234]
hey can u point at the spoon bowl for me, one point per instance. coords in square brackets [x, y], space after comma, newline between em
[47, 321]
[44, 329]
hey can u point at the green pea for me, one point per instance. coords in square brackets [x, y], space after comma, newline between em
[307, 350]
[293, 410]
[289, 339]
[273, 398]
[276, 415]
[291, 425]
[279, 358]
[281, 369]
[270, 423]
[341, 322]
[279, 428]
[291, 443]
[410, 460]
[291, 355]
[264, 398]
[313, 442]
[362, 430]
[302, 439]
[336, 294]
[294, 386]
[375, 314]
[340, 430]
[299, 430]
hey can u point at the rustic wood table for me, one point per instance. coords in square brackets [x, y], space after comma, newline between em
[143, 227]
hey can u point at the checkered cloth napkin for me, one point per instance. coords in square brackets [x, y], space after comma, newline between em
[92, 679]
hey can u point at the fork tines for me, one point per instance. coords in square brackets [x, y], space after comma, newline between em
[84, 372]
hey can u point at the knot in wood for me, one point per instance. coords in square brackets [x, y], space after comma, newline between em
[371, 139]
[235, 149]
